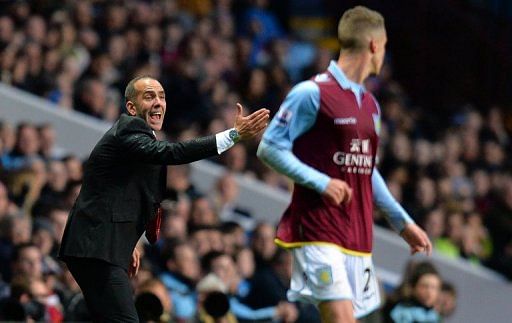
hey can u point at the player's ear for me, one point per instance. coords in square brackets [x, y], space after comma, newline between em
[130, 108]
[373, 46]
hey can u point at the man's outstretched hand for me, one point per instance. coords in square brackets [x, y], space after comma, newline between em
[250, 126]
[417, 239]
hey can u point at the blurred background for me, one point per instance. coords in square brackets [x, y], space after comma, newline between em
[446, 96]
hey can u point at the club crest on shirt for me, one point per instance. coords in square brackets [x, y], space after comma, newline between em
[283, 117]
[376, 123]
[324, 275]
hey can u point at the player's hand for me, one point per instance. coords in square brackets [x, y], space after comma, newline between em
[338, 192]
[251, 125]
[134, 264]
[286, 312]
[417, 239]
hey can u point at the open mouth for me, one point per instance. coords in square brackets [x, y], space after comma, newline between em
[155, 116]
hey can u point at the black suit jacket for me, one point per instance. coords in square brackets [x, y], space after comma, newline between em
[122, 188]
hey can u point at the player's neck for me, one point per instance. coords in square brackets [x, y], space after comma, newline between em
[355, 67]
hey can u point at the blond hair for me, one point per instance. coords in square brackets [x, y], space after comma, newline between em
[355, 25]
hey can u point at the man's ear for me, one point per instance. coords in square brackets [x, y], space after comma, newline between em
[130, 108]
[373, 46]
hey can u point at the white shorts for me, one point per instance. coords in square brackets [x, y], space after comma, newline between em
[325, 273]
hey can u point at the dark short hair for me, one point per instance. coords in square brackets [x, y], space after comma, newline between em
[130, 92]
[149, 307]
[16, 254]
[207, 260]
[421, 269]
[448, 288]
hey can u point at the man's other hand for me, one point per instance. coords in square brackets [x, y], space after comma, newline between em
[417, 239]
[251, 125]
[134, 264]
[337, 192]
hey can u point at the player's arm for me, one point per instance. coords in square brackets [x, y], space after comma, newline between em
[394, 212]
[398, 217]
[297, 115]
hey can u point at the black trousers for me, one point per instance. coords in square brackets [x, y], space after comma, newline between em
[106, 288]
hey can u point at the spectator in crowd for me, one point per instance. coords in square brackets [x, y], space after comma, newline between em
[25, 151]
[48, 149]
[205, 57]
[180, 276]
[5, 203]
[206, 238]
[263, 245]
[174, 227]
[213, 302]
[424, 289]
[245, 265]
[178, 183]
[269, 286]
[156, 287]
[52, 193]
[15, 230]
[27, 262]
[499, 221]
[58, 217]
[202, 213]
[40, 293]
[451, 244]
[7, 137]
[20, 296]
[73, 167]
[149, 308]
[223, 266]
[447, 301]
[224, 198]
[43, 237]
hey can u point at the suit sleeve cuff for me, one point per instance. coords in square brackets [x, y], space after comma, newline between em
[223, 141]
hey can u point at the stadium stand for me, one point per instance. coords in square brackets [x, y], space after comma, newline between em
[78, 55]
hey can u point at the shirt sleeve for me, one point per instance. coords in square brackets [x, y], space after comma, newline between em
[393, 211]
[243, 311]
[137, 142]
[223, 141]
[296, 115]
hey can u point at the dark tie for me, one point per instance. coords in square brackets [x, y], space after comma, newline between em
[153, 226]
[155, 222]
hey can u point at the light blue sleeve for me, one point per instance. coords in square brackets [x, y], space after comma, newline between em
[393, 211]
[296, 115]
[244, 312]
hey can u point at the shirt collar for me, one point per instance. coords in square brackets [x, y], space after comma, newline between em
[343, 81]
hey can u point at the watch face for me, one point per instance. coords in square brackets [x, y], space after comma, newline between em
[233, 134]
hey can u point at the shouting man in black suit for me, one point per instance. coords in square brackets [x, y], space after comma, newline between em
[121, 193]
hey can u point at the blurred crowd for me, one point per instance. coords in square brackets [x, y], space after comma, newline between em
[451, 172]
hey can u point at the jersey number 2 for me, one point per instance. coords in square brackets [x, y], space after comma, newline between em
[367, 274]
